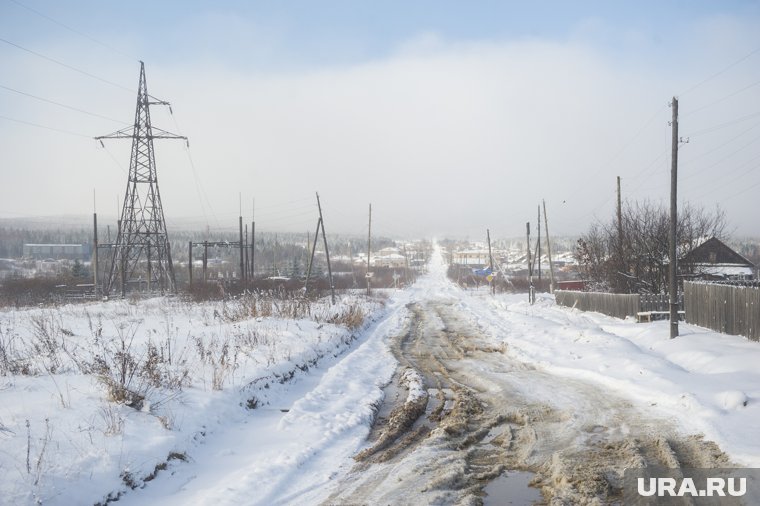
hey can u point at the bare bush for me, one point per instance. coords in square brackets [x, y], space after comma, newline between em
[46, 342]
[117, 368]
[351, 317]
[37, 472]
[114, 422]
[12, 358]
[20, 292]
[221, 356]
[201, 292]
[133, 377]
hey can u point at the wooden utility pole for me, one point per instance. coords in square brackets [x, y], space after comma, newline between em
[205, 261]
[406, 266]
[242, 257]
[247, 261]
[538, 245]
[530, 266]
[253, 238]
[253, 250]
[490, 263]
[621, 263]
[673, 284]
[619, 214]
[190, 262]
[549, 251]
[327, 251]
[320, 226]
[369, 248]
[95, 254]
[311, 257]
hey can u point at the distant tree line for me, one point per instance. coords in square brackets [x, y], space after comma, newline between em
[12, 239]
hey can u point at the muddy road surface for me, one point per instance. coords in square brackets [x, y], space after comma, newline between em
[463, 423]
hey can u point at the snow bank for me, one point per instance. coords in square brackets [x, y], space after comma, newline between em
[180, 371]
[708, 382]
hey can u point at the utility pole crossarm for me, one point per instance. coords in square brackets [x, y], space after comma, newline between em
[128, 133]
[163, 134]
[124, 133]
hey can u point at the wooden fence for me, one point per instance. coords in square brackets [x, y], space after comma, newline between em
[655, 302]
[724, 308]
[613, 304]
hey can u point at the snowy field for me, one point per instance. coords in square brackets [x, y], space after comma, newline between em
[240, 403]
[97, 399]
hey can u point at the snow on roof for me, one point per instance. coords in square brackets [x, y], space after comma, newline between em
[725, 269]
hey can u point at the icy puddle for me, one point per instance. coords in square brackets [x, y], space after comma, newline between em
[511, 488]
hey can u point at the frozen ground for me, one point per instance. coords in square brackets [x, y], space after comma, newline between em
[302, 411]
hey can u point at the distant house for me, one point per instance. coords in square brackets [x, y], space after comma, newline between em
[472, 258]
[388, 257]
[713, 260]
[575, 284]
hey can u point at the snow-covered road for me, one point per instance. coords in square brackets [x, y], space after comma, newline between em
[461, 386]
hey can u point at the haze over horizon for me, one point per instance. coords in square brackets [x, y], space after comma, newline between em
[449, 118]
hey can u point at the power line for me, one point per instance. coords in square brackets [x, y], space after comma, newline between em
[732, 153]
[42, 99]
[723, 125]
[65, 65]
[751, 163]
[724, 70]
[743, 190]
[722, 99]
[81, 34]
[199, 188]
[45, 127]
[733, 139]
[116, 161]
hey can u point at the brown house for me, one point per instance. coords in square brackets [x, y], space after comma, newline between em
[713, 260]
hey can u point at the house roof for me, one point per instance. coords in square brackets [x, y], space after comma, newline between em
[715, 251]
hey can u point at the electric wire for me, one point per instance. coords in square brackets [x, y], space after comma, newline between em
[724, 125]
[115, 160]
[81, 34]
[697, 133]
[718, 101]
[65, 65]
[42, 99]
[720, 161]
[23, 122]
[733, 139]
[199, 188]
[743, 191]
[720, 72]
[713, 186]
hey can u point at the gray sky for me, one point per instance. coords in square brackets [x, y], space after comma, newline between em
[449, 117]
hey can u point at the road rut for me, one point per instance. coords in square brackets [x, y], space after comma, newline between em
[481, 414]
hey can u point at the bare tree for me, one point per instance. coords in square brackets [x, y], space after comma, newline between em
[637, 261]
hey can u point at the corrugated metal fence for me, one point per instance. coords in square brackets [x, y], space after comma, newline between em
[613, 304]
[724, 308]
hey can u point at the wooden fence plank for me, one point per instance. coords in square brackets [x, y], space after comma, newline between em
[724, 308]
[612, 304]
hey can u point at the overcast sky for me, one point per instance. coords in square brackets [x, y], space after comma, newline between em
[449, 117]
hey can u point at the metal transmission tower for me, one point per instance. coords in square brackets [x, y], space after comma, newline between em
[141, 256]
